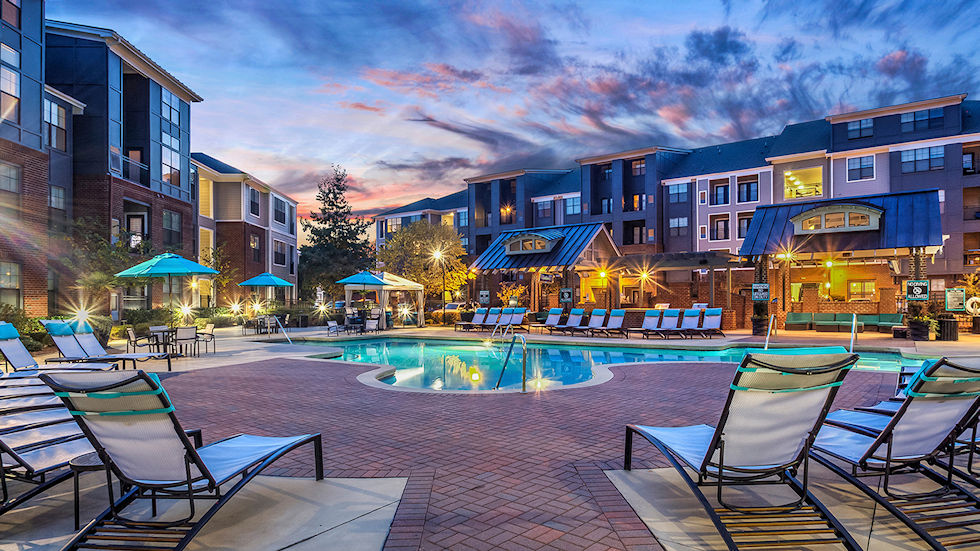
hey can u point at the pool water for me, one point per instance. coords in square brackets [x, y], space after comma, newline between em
[473, 365]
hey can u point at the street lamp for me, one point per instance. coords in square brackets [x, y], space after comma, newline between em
[437, 256]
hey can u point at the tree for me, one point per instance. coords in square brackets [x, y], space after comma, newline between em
[338, 240]
[409, 253]
[218, 259]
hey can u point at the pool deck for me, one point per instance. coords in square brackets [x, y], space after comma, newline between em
[507, 471]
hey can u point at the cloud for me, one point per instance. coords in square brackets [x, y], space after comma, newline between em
[721, 46]
[376, 108]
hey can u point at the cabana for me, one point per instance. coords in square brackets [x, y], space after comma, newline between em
[384, 283]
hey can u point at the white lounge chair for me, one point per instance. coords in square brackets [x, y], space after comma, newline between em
[553, 319]
[129, 420]
[20, 359]
[651, 321]
[775, 406]
[614, 325]
[668, 323]
[489, 322]
[478, 318]
[711, 324]
[596, 317]
[77, 343]
[572, 323]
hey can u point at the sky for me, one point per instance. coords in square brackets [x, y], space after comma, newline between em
[411, 97]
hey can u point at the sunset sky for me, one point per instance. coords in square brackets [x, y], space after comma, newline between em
[411, 97]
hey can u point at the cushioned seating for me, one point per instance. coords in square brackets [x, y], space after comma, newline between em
[824, 322]
[887, 321]
[798, 321]
[844, 323]
[869, 320]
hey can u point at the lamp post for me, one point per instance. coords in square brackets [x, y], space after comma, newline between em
[437, 255]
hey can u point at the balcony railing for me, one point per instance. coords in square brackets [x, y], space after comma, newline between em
[971, 212]
[129, 169]
[971, 257]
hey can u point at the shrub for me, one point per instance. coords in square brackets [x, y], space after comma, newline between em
[224, 320]
[155, 316]
[19, 319]
[119, 332]
[451, 317]
[31, 345]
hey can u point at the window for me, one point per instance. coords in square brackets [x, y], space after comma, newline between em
[858, 219]
[803, 183]
[702, 232]
[605, 205]
[253, 201]
[677, 226]
[969, 163]
[169, 158]
[863, 128]
[834, 220]
[279, 210]
[542, 209]
[10, 284]
[635, 202]
[255, 243]
[9, 56]
[507, 213]
[605, 173]
[923, 159]
[292, 220]
[394, 224]
[205, 205]
[744, 221]
[719, 228]
[573, 205]
[677, 193]
[169, 106]
[56, 197]
[205, 244]
[463, 218]
[922, 120]
[55, 126]
[748, 189]
[465, 242]
[11, 12]
[860, 168]
[278, 253]
[9, 95]
[292, 260]
[719, 192]
[813, 223]
[633, 232]
[860, 289]
[171, 229]
[10, 178]
[639, 167]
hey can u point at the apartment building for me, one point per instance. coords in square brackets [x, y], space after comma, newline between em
[254, 224]
[660, 203]
[450, 210]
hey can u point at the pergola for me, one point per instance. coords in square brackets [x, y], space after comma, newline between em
[686, 261]
[385, 284]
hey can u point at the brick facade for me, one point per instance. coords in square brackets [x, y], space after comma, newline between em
[26, 241]
[235, 237]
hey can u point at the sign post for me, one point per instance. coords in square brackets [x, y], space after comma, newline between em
[917, 289]
[760, 292]
[956, 299]
[485, 296]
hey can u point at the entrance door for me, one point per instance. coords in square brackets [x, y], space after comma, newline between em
[136, 226]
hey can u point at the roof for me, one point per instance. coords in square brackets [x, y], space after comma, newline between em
[724, 157]
[802, 137]
[509, 174]
[570, 182]
[574, 240]
[908, 219]
[214, 164]
[899, 108]
[606, 157]
[123, 48]
[77, 107]
[452, 201]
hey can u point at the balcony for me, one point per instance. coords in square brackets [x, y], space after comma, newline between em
[129, 169]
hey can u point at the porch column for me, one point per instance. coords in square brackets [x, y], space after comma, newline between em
[711, 279]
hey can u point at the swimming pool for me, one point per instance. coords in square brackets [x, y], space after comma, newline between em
[472, 365]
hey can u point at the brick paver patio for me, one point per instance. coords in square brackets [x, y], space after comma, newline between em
[504, 471]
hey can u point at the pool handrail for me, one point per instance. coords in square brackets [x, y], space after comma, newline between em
[503, 367]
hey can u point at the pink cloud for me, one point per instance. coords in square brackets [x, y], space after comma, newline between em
[902, 63]
[676, 114]
[376, 108]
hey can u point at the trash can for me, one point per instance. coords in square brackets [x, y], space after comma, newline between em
[948, 329]
[976, 325]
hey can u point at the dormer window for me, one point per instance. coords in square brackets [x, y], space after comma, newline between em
[533, 243]
[837, 218]
[922, 120]
[863, 128]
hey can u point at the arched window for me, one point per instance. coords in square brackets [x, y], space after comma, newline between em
[837, 218]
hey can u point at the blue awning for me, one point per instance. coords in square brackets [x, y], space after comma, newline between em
[908, 219]
[573, 238]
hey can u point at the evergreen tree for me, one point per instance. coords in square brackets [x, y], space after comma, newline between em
[338, 245]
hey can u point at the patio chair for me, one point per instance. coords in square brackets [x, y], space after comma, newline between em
[554, 317]
[371, 326]
[133, 341]
[775, 406]
[668, 323]
[207, 336]
[489, 322]
[690, 325]
[19, 358]
[185, 340]
[159, 334]
[614, 325]
[572, 323]
[478, 316]
[69, 337]
[651, 319]
[518, 320]
[333, 328]
[129, 420]
[940, 403]
[711, 324]
[596, 317]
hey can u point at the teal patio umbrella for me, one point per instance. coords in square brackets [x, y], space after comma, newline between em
[365, 279]
[167, 265]
[265, 280]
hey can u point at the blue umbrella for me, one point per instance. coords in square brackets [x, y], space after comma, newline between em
[265, 280]
[363, 278]
[167, 265]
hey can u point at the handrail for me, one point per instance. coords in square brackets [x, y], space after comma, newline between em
[523, 362]
[854, 323]
[283, 329]
[772, 320]
[503, 334]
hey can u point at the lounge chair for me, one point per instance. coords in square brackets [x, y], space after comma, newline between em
[711, 324]
[502, 320]
[76, 342]
[668, 323]
[489, 322]
[596, 317]
[333, 328]
[554, 317]
[572, 323]
[129, 420]
[651, 320]
[690, 325]
[478, 317]
[775, 406]
[518, 320]
[614, 325]
[20, 359]
[940, 403]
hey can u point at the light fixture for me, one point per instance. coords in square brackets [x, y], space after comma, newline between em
[602, 275]
[827, 285]
[437, 254]
[644, 275]
[81, 314]
[236, 307]
[830, 264]
[185, 310]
